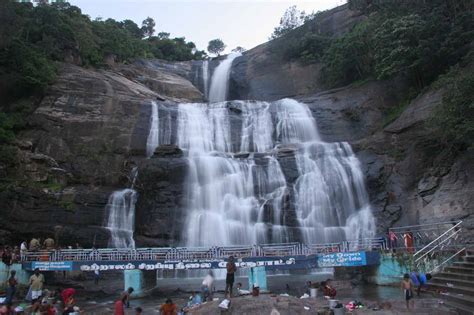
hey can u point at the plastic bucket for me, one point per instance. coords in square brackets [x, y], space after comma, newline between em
[339, 311]
[333, 303]
[313, 293]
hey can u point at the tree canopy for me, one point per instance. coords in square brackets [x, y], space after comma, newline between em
[239, 49]
[148, 27]
[291, 19]
[216, 46]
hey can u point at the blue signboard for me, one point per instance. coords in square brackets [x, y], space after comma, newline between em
[270, 263]
[342, 260]
[52, 265]
[351, 259]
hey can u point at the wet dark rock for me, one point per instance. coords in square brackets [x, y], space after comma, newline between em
[427, 185]
[159, 209]
[168, 150]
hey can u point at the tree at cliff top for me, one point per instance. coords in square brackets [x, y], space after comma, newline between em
[291, 19]
[239, 49]
[216, 46]
[148, 27]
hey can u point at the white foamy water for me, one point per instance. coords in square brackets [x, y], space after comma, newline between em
[205, 78]
[120, 213]
[231, 182]
[237, 192]
[220, 79]
[154, 134]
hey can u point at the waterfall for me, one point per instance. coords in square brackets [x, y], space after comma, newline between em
[154, 134]
[205, 77]
[238, 193]
[220, 79]
[236, 186]
[120, 212]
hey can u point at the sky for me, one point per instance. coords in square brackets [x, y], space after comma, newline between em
[245, 23]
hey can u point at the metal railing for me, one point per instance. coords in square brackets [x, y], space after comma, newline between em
[424, 234]
[438, 242]
[437, 267]
[192, 253]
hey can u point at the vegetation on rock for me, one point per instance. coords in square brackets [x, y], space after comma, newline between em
[414, 40]
[291, 19]
[454, 118]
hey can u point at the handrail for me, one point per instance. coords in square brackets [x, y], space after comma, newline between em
[436, 239]
[444, 262]
[434, 247]
[172, 253]
[420, 225]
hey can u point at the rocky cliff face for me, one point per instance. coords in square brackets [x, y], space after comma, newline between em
[263, 73]
[82, 141]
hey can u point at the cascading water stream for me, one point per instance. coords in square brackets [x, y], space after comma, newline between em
[231, 184]
[120, 215]
[220, 79]
[154, 134]
[205, 78]
[121, 218]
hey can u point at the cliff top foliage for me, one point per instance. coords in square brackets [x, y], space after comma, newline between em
[33, 37]
[417, 40]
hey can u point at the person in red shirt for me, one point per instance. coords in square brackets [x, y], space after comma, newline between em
[409, 242]
[120, 306]
[169, 308]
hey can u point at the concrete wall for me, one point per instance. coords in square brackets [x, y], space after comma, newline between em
[23, 276]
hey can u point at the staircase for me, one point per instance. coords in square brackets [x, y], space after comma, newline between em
[455, 284]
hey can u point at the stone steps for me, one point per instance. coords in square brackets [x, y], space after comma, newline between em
[454, 281]
[465, 301]
[459, 294]
[455, 275]
[466, 264]
[454, 289]
[461, 308]
[459, 269]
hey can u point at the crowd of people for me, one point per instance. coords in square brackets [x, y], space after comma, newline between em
[41, 301]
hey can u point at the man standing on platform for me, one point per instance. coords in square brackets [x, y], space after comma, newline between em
[230, 278]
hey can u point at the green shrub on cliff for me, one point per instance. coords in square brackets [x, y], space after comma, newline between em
[350, 57]
[454, 118]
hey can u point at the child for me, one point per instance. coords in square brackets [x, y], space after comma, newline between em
[240, 291]
[406, 286]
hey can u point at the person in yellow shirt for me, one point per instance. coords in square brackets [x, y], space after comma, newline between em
[48, 243]
[36, 284]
